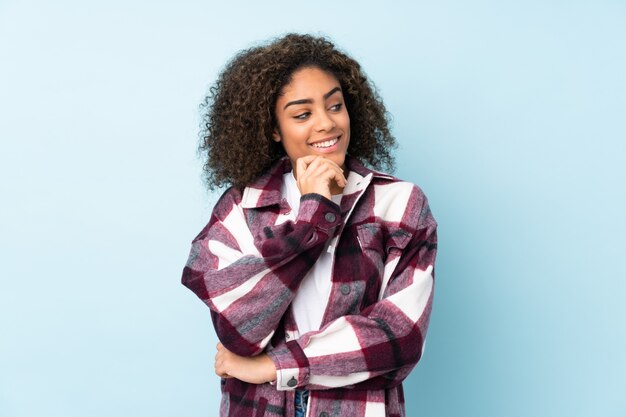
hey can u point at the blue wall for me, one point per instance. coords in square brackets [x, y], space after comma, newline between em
[510, 115]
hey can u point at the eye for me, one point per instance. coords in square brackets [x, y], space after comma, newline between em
[336, 107]
[302, 116]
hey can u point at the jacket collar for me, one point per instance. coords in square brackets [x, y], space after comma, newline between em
[265, 190]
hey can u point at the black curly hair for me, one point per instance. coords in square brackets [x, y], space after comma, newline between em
[238, 113]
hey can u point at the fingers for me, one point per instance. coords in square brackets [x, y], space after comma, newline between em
[339, 177]
[311, 161]
[307, 159]
[220, 357]
[318, 168]
[315, 173]
[301, 166]
[326, 169]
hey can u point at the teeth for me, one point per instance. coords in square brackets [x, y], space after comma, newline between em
[325, 144]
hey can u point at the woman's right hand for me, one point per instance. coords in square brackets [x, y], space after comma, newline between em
[316, 174]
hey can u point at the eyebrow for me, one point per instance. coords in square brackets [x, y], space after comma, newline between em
[308, 100]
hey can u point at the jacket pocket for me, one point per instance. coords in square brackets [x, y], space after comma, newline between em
[382, 248]
[372, 237]
[396, 240]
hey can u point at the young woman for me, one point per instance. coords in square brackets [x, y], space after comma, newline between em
[317, 270]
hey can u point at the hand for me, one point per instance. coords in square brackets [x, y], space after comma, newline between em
[254, 369]
[316, 174]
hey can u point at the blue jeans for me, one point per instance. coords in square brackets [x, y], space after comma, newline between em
[301, 402]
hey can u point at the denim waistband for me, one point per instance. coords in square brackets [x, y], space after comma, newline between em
[301, 401]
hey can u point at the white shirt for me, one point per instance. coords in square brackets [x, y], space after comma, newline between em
[311, 298]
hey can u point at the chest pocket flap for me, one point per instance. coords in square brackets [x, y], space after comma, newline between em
[388, 240]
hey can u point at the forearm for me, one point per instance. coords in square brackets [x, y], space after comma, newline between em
[249, 293]
[377, 348]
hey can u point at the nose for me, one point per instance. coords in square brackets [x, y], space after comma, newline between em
[325, 122]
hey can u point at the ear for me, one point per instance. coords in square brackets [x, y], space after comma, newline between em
[276, 135]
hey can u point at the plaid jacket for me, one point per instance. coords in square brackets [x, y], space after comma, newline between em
[249, 260]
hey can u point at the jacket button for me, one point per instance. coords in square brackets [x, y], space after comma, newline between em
[345, 289]
[330, 217]
[323, 414]
[292, 382]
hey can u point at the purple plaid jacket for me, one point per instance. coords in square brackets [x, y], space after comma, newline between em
[249, 260]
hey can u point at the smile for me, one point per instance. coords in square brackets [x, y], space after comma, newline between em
[326, 143]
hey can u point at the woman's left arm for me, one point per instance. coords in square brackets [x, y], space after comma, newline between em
[378, 347]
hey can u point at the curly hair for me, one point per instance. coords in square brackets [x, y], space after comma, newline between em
[238, 113]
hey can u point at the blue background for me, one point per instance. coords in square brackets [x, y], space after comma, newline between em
[510, 115]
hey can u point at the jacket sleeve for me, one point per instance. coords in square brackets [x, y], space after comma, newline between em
[378, 347]
[249, 281]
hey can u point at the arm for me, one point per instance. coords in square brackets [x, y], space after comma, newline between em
[378, 347]
[249, 281]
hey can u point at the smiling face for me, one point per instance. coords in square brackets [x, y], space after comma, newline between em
[312, 117]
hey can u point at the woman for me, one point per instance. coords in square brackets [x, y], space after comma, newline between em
[317, 270]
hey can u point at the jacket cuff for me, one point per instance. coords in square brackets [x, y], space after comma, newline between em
[318, 210]
[292, 366]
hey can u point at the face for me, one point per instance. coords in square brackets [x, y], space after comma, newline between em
[312, 117]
